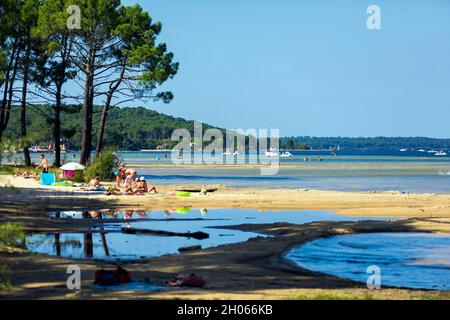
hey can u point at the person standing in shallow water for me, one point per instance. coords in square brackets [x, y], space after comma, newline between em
[44, 164]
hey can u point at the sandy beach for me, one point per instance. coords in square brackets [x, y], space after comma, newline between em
[370, 203]
[254, 269]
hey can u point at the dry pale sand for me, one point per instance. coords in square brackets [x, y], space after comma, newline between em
[251, 270]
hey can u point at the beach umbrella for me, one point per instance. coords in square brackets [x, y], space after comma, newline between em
[70, 168]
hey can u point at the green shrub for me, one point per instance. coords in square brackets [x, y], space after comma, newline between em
[10, 235]
[78, 177]
[5, 284]
[6, 170]
[102, 166]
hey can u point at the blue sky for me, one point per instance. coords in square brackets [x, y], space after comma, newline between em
[310, 67]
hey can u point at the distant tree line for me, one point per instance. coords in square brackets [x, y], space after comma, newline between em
[363, 143]
[128, 128]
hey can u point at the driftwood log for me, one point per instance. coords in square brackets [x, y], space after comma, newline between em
[196, 235]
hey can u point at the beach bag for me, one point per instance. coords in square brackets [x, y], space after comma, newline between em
[187, 280]
[112, 277]
[47, 179]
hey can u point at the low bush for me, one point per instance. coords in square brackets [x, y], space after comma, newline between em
[102, 166]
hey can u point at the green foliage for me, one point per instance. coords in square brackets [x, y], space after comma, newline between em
[5, 284]
[103, 166]
[6, 170]
[78, 177]
[127, 129]
[10, 235]
[2, 66]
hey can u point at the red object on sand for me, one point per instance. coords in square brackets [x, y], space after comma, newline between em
[187, 280]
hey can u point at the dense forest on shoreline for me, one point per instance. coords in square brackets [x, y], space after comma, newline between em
[374, 143]
[128, 128]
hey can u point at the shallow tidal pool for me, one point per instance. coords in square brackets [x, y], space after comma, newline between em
[106, 240]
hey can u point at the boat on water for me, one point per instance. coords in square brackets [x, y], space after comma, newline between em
[440, 153]
[422, 150]
[271, 154]
[227, 153]
[403, 150]
[286, 154]
[432, 151]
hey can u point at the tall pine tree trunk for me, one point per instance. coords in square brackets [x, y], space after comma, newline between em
[57, 128]
[8, 87]
[23, 115]
[86, 143]
[112, 90]
[101, 132]
[87, 126]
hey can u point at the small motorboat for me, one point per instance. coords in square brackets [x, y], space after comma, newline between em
[403, 150]
[440, 153]
[271, 154]
[422, 150]
[286, 154]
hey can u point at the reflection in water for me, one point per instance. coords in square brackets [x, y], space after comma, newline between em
[107, 241]
[58, 244]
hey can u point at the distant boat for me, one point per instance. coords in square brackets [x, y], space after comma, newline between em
[227, 153]
[440, 153]
[432, 151]
[422, 150]
[271, 154]
[403, 150]
[286, 154]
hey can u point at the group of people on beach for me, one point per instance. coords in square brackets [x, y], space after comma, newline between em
[31, 175]
[127, 183]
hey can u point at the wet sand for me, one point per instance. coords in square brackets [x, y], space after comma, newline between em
[251, 270]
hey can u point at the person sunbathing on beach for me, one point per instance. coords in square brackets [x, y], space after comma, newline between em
[141, 186]
[25, 174]
[132, 173]
[93, 185]
[120, 174]
[129, 183]
[118, 192]
[95, 182]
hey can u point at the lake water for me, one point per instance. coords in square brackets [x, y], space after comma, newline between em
[413, 171]
[413, 260]
[112, 244]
